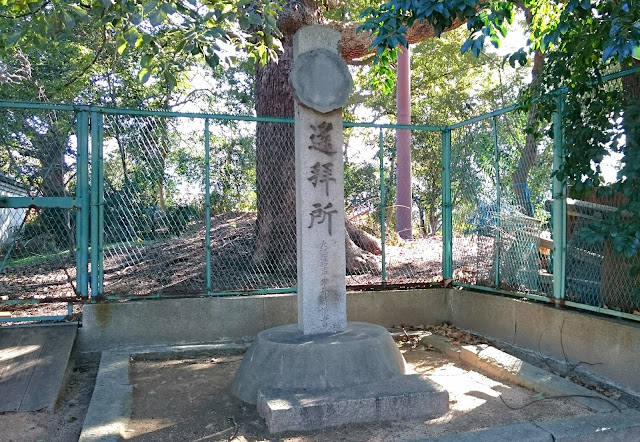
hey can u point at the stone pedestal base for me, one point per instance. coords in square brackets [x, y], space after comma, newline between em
[307, 382]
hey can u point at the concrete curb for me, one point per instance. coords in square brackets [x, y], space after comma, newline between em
[112, 399]
[504, 366]
[110, 405]
[602, 427]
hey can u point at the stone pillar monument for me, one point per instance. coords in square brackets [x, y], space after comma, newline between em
[325, 371]
[321, 84]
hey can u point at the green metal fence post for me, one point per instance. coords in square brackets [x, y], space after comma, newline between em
[97, 205]
[207, 206]
[498, 244]
[82, 197]
[447, 216]
[559, 207]
[383, 209]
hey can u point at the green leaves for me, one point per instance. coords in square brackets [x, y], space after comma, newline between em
[518, 57]
[157, 17]
[121, 44]
[625, 245]
[582, 40]
[152, 27]
[390, 22]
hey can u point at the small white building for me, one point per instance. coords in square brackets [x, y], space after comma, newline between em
[11, 219]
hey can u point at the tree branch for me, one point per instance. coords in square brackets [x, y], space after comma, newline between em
[198, 93]
[95, 59]
[358, 45]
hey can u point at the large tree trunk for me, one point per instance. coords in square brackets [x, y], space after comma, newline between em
[528, 155]
[275, 247]
[275, 166]
[275, 145]
[50, 150]
[530, 152]
[631, 87]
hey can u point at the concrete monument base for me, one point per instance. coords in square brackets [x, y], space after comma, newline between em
[307, 382]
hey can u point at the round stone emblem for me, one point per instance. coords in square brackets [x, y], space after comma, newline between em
[321, 80]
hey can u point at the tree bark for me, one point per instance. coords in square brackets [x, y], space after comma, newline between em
[50, 150]
[362, 239]
[357, 45]
[275, 246]
[275, 166]
[359, 261]
[528, 155]
[631, 87]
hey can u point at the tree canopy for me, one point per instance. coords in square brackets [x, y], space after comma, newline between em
[157, 30]
[582, 40]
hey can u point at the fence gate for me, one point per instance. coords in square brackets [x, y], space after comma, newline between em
[44, 210]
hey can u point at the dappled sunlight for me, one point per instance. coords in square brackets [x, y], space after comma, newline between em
[217, 436]
[467, 389]
[195, 394]
[210, 363]
[13, 367]
[14, 352]
[501, 360]
[427, 366]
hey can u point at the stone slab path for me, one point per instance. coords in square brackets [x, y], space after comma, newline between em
[33, 363]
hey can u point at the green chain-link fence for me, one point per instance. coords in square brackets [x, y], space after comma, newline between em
[176, 204]
[38, 242]
[500, 223]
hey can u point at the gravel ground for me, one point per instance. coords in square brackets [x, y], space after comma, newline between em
[189, 399]
[65, 423]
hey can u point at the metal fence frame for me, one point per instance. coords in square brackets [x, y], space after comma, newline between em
[89, 199]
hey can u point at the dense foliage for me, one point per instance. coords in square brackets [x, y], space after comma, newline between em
[158, 30]
[582, 41]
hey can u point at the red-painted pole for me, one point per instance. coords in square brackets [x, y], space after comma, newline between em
[403, 145]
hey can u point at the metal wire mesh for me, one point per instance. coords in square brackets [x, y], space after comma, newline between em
[416, 258]
[38, 254]
[596, 274]
[152, 216]
[525, 184]
[253, 241]
[37, 244]
[372, 209]
[155, 204]
[184, 195]
[475, 213]
[363, 206]
[500, 186]
[597, 271]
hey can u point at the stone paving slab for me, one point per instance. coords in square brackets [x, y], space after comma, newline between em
[603, 427]
[505, 366]
[402, 397]
[33, 364]
[111, 402]
[520, 432]
[113, 399]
